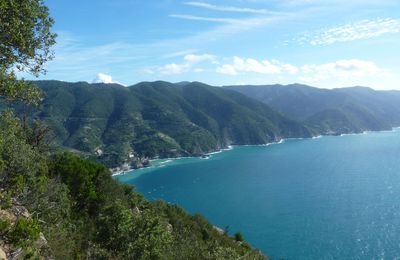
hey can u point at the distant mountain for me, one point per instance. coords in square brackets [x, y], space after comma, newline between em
[343, 110]
[120, 124]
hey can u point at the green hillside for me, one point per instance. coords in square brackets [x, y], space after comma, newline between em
[344, 110]
[119, 124]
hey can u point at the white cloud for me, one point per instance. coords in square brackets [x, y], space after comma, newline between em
[174, 68]
[227, 69]
[227, 8]
[106, 79]
[189, 61]
[241, 65]
[179, 53]
[346, 71]
[237, 23]
[192, 58]
[360, 30]
[198, 70]
[103, 78]
[340, 70]
[291, 69]
[206, 19]
[147, 71]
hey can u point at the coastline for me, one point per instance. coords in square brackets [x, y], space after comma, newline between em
[204, 156]
[170, 159]
[230, 147]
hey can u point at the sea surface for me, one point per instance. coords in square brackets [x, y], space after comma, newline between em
[324, 198]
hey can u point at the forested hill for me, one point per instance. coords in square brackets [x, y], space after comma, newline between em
[157, 119]
[336, 111]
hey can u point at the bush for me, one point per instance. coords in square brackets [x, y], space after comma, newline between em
[239, 237]
[4, 226]
[24, 231]
[5, 200]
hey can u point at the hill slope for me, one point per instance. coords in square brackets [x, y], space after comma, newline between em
[345, 110]
[157, 119]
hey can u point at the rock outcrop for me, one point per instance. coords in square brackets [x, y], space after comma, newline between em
[3, 255]
[9, 250]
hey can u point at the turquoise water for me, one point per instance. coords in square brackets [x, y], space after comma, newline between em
[326, 198]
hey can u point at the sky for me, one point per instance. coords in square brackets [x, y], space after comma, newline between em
[324, 43]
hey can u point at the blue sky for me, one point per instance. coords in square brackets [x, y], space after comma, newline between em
[321, 43]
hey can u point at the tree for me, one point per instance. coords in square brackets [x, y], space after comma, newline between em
[25, 41]
[25, 36]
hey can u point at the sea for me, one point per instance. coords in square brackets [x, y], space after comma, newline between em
[330, 197]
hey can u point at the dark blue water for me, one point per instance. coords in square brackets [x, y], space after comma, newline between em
[327, 198]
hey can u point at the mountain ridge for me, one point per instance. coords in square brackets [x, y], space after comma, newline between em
[339, 110]
[119, 125]
[127, 125]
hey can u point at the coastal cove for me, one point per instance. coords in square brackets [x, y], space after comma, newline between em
[334, 197]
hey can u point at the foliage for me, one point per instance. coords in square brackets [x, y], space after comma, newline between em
[24, 167]
[239, 237]
[23, 231]
[25, 41]
[139, 236]
[4, 226]
[22, 234]
[18, 90]
[6, 199]
[81, 179]
[25, 36]
[118, 222]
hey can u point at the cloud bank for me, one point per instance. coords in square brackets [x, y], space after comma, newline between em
[189, 61]
[344, 71]
[341, 69]
[106, 79]
[360, 30]
[240, 65]
[227, 8]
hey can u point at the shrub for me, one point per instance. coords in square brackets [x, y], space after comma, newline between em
[24, 230]
[239, 237]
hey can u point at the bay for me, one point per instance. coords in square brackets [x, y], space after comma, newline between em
[326, 198]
